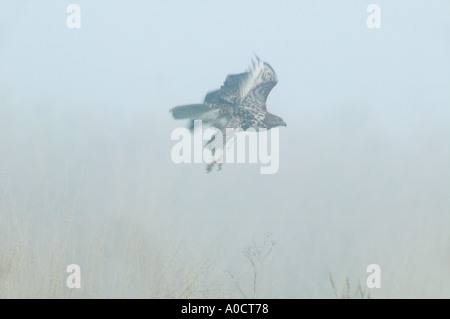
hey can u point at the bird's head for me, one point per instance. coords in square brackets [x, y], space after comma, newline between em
[272, 121]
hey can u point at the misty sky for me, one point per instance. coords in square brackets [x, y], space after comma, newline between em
[364, 161]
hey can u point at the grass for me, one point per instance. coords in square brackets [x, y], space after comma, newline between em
[35, 254]
[347, 291]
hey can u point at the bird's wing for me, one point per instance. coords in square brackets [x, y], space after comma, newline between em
[257, 97]
[256, 90]
[229, 92]
[254, 85]
[214, 97]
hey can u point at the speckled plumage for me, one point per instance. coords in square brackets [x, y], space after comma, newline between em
[240, 103]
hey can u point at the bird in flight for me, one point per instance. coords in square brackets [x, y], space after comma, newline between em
[240, 103]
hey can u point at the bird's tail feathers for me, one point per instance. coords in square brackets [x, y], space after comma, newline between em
[191, 112]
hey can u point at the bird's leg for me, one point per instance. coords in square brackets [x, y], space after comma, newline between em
[210, 166]
[213, 146]
[222, 154]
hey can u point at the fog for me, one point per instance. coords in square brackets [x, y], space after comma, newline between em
[364, 178]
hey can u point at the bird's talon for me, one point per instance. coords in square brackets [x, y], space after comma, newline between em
[209, 167]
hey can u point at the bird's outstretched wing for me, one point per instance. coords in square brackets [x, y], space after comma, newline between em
[229, 92]
[252, 87]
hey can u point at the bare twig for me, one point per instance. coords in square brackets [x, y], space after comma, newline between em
[256, 255]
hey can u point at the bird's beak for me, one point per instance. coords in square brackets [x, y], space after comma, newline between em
[284, 124]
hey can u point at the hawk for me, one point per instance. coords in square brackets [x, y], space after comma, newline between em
[240, 103]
